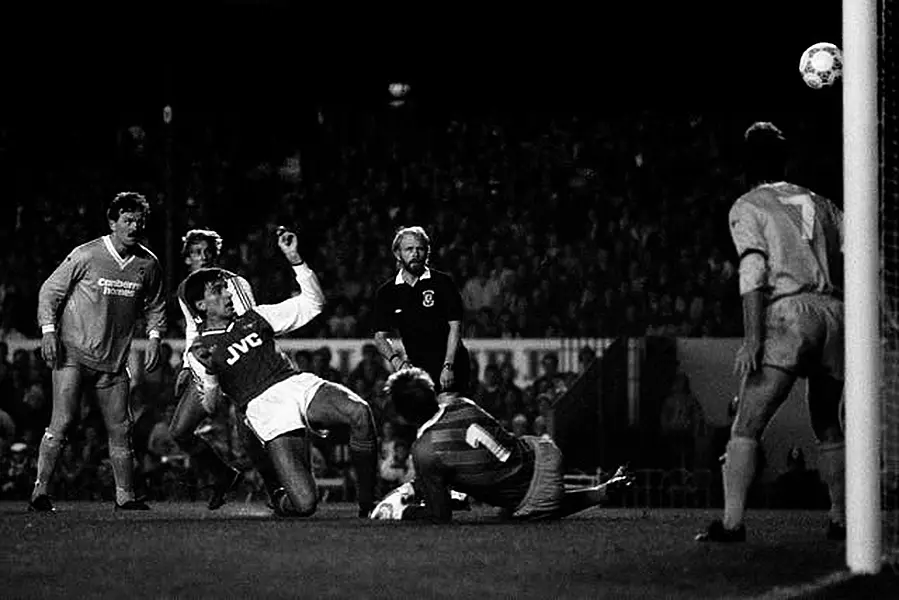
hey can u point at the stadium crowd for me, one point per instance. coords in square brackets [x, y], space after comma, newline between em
[551, 225]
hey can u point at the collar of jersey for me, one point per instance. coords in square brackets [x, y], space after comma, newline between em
[122, 262]
[226, 329]
[443, 402]
[400, 281]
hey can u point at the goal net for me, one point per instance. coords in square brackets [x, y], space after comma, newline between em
[889, 266]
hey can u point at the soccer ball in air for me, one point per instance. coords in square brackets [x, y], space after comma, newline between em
[821, 65]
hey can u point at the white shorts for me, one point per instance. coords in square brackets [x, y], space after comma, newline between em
[282, 407]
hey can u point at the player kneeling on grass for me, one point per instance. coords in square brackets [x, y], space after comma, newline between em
[462, 447]
[236, 356]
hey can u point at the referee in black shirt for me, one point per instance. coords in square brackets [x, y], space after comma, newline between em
[423, 308]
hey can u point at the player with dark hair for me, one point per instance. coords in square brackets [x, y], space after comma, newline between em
[201, 249]
[237, 356]
[460, 446]
[424, 307]
[789, 240]
[87, 310]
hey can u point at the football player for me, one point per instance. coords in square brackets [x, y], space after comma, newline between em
[789, 240]
[201, 249]
[237, 356]
[462, 447]
[88, 309]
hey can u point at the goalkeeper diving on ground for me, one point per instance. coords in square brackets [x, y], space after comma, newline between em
[461, 447]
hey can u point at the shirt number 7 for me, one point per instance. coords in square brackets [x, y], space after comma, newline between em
[478, 437]
[805, 204]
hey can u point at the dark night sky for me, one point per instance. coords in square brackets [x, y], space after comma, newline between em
[261, 59]
[239, 49]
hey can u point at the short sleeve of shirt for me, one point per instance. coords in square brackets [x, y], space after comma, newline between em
[746, 229]
[454, 310]
[383, 308]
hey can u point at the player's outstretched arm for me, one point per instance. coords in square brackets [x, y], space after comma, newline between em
[295, 312]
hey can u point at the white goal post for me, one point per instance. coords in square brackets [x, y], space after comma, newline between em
[862, 285]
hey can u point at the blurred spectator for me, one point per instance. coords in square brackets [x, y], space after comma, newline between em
[321, 365]
[682, 423]
[397, 468]
[370, 370]
[519, 425]
[489, 393]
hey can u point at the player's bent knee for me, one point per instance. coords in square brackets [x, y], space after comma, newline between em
[59, 424]
[119, 434]
[360, 415]
[299, 505]
[54, 437]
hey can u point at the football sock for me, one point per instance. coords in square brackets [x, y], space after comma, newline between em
[48, 454]
[365, 463]
[832, 467]
[122, 462]
[738, 471]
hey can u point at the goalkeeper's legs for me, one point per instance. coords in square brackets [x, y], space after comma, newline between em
[187, 417]
[824, 402]
[764, 392]
[289, 455]
[66, 394]
[335, 404]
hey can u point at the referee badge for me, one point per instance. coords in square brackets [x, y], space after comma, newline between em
[427, 298]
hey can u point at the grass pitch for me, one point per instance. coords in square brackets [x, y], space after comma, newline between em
[184, 551]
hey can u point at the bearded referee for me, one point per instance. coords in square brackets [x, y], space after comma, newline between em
[418, 316]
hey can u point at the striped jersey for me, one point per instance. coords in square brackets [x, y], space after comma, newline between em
[242, 360]
[94, 298]
[469, 451]
[241, 296]
[799, 233]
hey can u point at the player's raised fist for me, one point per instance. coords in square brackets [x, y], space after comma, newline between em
[287, 241]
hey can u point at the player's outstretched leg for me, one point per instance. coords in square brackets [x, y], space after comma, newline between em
[187, 417]
[764, 392]
[112, 397]
[335, 404]
[66, 394]
[289, 456]
[575, 501]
